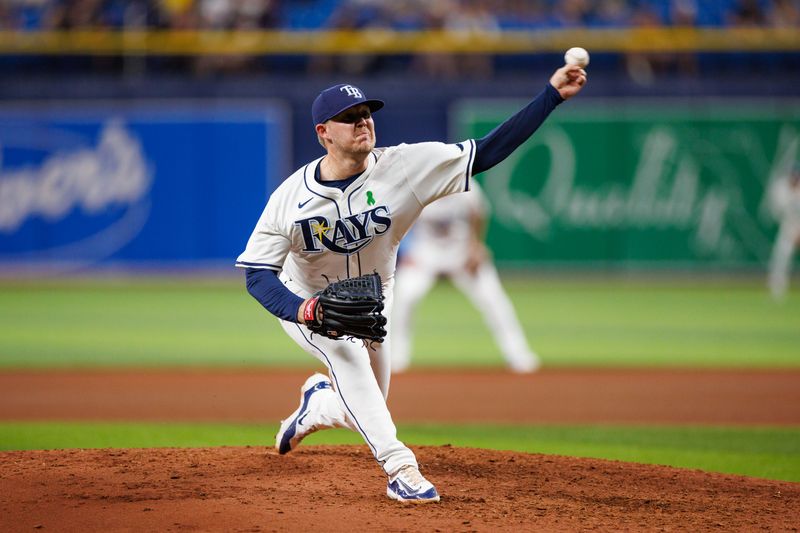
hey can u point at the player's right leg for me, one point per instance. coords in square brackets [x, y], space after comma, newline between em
[356, 400]
[309, 417]
[488, 296]
[412, 283]
[780, 262]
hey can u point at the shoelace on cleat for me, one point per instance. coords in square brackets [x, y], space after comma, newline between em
[411, 476]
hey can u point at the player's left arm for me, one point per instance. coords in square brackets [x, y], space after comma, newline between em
[265, 286]
[490, 150]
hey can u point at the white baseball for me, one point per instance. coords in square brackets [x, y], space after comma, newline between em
[577, 56]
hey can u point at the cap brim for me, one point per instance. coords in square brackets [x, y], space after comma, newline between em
[374, 105]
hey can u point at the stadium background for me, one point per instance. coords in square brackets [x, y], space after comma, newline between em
[139, 141]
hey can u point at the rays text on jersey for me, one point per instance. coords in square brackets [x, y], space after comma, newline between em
[346, 235]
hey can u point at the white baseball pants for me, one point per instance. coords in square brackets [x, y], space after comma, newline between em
[780, 263]
[360, 375]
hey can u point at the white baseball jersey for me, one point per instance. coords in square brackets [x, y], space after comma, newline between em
[443, 235]
[313, 233]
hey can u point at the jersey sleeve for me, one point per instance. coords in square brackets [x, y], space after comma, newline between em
[434, 170]
[268, 245]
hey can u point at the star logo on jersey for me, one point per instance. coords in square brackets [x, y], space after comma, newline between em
[344, 236]
[319, 229]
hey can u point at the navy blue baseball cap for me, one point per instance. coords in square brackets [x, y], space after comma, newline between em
[336, 99]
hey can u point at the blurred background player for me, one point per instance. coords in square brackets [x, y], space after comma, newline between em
[785, 196]
[447, 241]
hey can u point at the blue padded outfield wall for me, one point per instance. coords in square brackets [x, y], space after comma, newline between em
[622, 183]
[139, 184]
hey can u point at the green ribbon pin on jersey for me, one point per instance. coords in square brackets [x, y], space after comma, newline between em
[370, 198]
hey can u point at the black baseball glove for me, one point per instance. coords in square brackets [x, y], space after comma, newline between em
[348, 308]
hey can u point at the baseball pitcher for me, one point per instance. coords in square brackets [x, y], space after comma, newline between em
[322, 257]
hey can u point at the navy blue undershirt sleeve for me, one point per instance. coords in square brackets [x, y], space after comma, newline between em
[505, 138]
[264, 286]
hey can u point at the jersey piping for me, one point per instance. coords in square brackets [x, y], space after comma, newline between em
[350, 209]
[468, 172]
[335, 203]
[256, 265]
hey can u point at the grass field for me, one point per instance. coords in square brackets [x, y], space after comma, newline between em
[772, 453]
[570, 322]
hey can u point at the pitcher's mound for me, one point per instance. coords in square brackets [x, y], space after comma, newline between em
[341, 488]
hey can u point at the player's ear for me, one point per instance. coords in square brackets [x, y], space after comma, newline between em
[322, 133]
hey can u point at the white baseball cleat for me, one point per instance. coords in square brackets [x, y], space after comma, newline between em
[408, 485]
[293, 429]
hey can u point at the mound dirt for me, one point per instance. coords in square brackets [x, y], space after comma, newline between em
[343, 489]
[340, 488]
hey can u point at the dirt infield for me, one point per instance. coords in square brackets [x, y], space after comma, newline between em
[550, 396]
[342, 489]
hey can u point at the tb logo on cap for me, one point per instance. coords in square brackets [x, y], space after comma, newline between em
[355, 92]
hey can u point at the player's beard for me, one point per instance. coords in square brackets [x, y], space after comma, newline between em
[356, 149]
[356, 142]
[364, 141]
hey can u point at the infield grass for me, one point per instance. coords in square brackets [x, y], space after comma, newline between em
[569, 322]
[765, 452]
